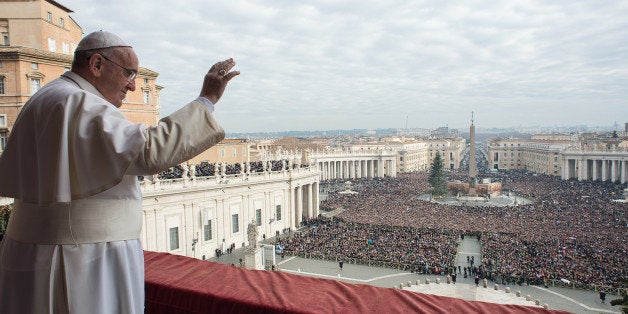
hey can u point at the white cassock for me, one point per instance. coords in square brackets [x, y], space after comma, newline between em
[71, 164]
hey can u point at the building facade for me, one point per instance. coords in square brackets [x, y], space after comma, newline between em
[38, 39]
[196, 216]
[228, 151]
[451, 150]
[561, 155]
[343, 164]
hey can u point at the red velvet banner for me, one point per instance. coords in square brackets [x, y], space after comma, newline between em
[177, 284]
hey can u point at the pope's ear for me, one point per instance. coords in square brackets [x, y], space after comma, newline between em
[95, 65]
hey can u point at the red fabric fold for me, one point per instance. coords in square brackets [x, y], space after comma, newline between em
[177, 284]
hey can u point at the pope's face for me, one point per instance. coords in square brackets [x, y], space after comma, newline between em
[118, 74]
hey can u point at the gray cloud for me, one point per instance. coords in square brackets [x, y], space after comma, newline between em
[326, 64]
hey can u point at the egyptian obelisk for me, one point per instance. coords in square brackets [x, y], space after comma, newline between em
[472, 170]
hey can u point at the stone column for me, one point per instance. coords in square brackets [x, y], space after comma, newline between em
[291, 209]
[565, 169]
[380, 168]
[310, 203]
[299, 207]
[360, 163]
[316, 199]
[604, 172]
[351, 169]
[580, 164]
[372, 169]
[328, 169]
[586, 168]
[613, 170]
[624, 171]
[594, 172]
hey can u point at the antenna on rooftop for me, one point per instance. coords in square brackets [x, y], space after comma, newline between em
[406, 122]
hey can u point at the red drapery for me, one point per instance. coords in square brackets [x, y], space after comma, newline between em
[177, 284]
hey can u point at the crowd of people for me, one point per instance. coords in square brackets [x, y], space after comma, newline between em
[572, 230]
[205, 169]
[419, 249]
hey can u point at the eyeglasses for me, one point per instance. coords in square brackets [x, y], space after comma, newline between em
[130, 74]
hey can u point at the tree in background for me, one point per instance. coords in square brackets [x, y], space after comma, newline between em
[438, 177]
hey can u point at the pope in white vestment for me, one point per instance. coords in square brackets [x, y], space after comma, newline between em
[71, 164]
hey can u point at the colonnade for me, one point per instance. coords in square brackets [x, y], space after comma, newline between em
[306, 204]
[357, 168]
[199, 216]
[603, 168]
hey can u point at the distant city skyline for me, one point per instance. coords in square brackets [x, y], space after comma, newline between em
[319, 65]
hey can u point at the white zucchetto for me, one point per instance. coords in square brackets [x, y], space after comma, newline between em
[100, 40]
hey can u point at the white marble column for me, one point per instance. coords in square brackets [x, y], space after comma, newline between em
[316, 199]
[299, 207]
[585, 168]
[613, 170]
[327, 170]
[360, 165]
[594, 171]
[351, 169]
[604, 172]
[340, 169]
[380, 168]
[332, 169]
[624, 171]
[310, 201]
[291, 209]
[565, 169]
[580, 165]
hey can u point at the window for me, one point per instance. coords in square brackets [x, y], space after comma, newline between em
[61, 21]
[258, 217]
[5, 40]
[3, 140]
[222, 153]
[34, 65]
[65, 47]
[174, 238]
[278, 212]
[235, 226]
[49, 18]
[234, 152]
[145, 81]
[3, 120]
[52, 44]
[146, 96]
[35, 85]
[2, 91]
[243, 151]
[207, 231]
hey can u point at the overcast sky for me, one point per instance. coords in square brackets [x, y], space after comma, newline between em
[331, 64]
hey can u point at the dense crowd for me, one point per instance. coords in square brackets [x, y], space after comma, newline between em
[205, 169]
[573, 230]
[422, 250]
